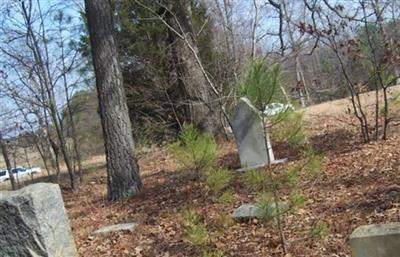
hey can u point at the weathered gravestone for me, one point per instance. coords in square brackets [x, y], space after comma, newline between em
[249, 135]
[248, 211]
[33, 223]
[377, 240]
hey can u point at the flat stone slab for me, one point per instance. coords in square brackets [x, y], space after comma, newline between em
[246, 211]
[34, 223]
[376, 240]
[249, 211]
[116, 228]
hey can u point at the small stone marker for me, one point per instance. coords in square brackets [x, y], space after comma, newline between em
[33, 222]
[116, 228]
[376, 240]
[248, 211]
[249, 135]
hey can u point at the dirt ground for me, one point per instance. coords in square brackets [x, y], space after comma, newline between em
[359, 184]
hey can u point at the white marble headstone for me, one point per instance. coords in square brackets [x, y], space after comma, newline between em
[249, 135]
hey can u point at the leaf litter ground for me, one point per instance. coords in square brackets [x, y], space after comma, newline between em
[358, 185]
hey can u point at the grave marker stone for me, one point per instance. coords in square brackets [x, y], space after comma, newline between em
[376, 240]
[249, 135]
[33, 222]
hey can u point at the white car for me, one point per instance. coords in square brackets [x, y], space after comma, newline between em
[4, 175]
[19, 172]
[34, 170]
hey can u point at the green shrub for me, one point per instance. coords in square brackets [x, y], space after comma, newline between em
[292, 177]
[225, 220]
[319, 231]
[296, 199]
[227, 197]
[256, 179]
[268, 208]
[396, 99]
[262, 84]
[314, 161]
[288, 127]
[217, 180]
[194, 150]
[396, 104]
[195, 231]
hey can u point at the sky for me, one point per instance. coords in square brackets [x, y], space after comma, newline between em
[12, 22]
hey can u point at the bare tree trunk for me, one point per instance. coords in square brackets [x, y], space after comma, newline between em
[303, 91]
[300, 83]
[122, 169]
[4, 150]
[226, 15]
[27, 161]
[254, 31]
[76, 146]
[42, 154]
[202, 103]
[63, 143]
[48, 143]
[391, 48]
[41, 57]
[55, 157]
[14, 155]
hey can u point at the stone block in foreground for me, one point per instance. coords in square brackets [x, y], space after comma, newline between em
[34, 223]
[376, 240]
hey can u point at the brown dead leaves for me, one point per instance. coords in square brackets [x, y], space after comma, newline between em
[359, 185]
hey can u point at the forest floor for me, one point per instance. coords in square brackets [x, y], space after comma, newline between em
[359, 184]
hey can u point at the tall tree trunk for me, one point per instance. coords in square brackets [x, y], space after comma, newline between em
[47, 142]
[55, 158]
[42, 153]
[225, 14]
[296, 48]
[76, 145]
[4, 150]
[28, 162]
[122, 169]
[202, 103]
[254, 32]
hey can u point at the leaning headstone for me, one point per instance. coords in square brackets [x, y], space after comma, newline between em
[377, 240]
[116, 228]
[249, 135]
[33, 222]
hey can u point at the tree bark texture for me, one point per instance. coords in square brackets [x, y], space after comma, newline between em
[7, 161]
[201, 103]
[122, 169]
